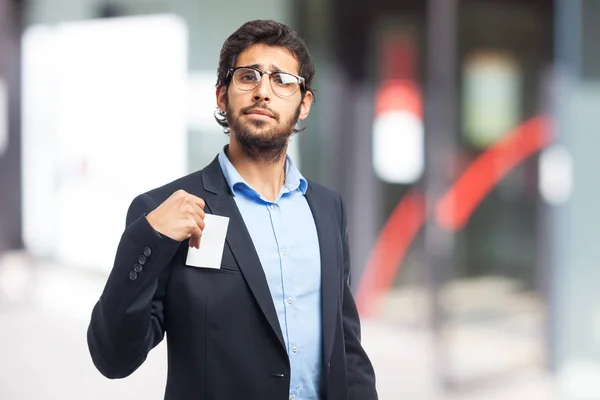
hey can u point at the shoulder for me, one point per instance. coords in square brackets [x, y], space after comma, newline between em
[323, 192]
[328, 198]
[154, 197]
[146, 202]
[188, 183]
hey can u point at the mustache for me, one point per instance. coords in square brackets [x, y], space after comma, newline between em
[261, 106]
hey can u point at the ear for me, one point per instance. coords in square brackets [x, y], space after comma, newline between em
[305, 105]
[222, 98]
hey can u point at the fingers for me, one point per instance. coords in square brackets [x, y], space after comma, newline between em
[192, 210]
[194, 203]
[183, 195]
[199, 211]
[197, 201]
[196, 238]
[198, 215]
[198, 227]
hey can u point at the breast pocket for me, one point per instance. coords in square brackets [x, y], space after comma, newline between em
[194, 258]
[206, 286]
[228, 262]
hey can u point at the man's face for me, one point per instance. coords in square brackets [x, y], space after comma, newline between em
[260, 120]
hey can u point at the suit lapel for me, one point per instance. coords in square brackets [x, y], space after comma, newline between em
[239, 242]
[219, 201]
[330, 276]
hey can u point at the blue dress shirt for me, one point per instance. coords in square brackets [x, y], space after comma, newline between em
[285, 237]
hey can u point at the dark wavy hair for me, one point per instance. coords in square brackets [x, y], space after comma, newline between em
[270, 33]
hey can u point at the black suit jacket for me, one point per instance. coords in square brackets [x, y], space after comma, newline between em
[224, 341]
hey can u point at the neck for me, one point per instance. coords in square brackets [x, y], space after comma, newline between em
[266, 177]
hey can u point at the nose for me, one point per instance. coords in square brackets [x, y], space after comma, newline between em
[262, 92]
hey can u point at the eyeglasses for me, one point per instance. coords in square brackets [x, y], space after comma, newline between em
[283, 83]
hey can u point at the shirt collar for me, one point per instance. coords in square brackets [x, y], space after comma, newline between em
[293, 178]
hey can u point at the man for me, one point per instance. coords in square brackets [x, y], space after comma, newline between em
[277, 320]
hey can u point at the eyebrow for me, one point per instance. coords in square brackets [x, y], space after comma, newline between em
[273, 68]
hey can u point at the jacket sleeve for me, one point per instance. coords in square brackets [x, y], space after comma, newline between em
[128, 319]
[359, 370]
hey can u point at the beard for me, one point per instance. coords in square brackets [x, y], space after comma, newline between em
[257, 141]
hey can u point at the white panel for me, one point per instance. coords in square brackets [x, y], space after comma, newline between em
[104, 120]
[398, 147]
[556, 174]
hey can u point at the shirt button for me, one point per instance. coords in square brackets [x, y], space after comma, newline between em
[273, 206]
[294, 349]
[284, 252]
[290, 300]
[293, 397]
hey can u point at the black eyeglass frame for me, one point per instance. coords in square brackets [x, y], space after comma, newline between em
[301, 80]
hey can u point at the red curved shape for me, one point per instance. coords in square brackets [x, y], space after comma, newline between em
[456, 206]
[389, 251]
[452, 210]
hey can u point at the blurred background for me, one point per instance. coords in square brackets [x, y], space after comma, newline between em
[463, 135]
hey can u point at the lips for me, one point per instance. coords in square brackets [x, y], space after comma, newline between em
[258, 111]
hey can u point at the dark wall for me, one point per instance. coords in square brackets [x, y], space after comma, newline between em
[10, 158]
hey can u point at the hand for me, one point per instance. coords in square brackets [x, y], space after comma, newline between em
[179, 217]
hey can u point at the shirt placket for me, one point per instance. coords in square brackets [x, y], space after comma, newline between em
[288, 294]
